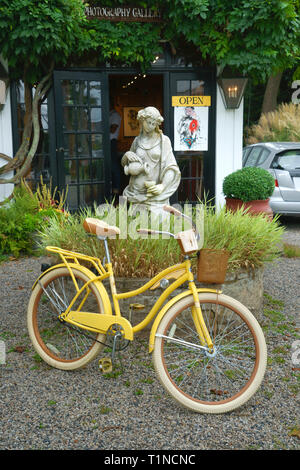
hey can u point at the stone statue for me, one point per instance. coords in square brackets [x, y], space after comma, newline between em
[154, 173]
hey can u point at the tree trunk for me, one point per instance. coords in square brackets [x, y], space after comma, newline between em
[22, 160]
[271, 93]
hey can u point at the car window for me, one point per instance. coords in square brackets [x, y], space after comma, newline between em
[252, 158]
[263, 156]
[245, 154]
[288, 160]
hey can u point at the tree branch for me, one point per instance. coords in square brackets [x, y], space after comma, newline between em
[31, 134]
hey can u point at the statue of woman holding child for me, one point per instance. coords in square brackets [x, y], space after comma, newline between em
[154, 173]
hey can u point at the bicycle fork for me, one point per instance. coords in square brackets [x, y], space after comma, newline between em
[198, 319]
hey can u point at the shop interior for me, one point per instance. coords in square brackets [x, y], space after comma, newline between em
[129, 94]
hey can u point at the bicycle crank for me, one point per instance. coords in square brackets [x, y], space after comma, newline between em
[114, 339]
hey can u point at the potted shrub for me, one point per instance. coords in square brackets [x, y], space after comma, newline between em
[250, 187]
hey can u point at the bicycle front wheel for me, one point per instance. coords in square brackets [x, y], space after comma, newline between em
[217, 381]
[59, 343]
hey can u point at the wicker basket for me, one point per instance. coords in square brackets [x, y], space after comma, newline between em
[212, 266]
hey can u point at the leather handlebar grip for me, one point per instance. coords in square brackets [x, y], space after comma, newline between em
[172, 210]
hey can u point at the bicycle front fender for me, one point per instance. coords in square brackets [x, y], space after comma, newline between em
[167, 307]
[98, 284]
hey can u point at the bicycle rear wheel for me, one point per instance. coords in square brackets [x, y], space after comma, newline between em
[206, 382]
[59, 343]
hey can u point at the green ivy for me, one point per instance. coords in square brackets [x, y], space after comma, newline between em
[256, 37]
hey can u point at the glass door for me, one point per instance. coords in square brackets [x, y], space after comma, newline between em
[82, 137]
[192, 130]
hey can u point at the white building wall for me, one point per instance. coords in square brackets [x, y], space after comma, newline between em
[229, 144]
[6, 143]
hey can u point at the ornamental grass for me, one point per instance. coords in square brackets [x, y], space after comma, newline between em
[282, 125]
[251, 241]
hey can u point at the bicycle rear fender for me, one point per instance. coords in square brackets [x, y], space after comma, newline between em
[90, 275]
[167, 307]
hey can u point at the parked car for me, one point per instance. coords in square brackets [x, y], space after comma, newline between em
[282, 160]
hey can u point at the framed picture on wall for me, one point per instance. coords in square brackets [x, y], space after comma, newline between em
[131, 124]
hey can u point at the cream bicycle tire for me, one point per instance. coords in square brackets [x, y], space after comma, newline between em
[42, 333]
[190, 386]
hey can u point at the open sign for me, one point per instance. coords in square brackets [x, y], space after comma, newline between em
[193, 100]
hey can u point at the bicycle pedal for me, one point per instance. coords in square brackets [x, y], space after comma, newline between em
[105, 365]
[137, 306]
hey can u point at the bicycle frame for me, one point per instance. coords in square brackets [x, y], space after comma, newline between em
[101, 323]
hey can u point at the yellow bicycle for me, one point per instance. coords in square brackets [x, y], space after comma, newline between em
[208, 350]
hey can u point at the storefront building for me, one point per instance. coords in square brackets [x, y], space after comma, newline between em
[75, 147]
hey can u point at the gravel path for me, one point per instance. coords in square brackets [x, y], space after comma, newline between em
[44, 408]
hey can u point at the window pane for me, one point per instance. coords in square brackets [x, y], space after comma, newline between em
[197, 87]
[263, 156]
[70, 145]
[69, 116]
[245, 154]
[83, 145]
[251, 160]
[95, 93]
[72, 200]
[83, 119]
[289, 160]
[81, 92]
[97, 167]
[44, 116]
[84, 170]
[97, 147]
[96, 118]
[70, 171]
[183, 87]
[85, 195]
[67, 91]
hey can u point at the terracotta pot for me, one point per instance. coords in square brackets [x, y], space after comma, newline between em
[255, 207]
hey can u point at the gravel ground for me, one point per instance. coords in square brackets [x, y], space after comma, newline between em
[44, 408]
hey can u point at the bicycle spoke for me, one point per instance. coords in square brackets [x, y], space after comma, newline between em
[209, 376]
[65, 341]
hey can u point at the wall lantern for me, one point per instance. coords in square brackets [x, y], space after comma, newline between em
[232, 91]
[4, 80]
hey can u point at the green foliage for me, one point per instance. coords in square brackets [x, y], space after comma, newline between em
[249, 184]
[252, 36]
[126, 43]
[20, 219]
[34, 33]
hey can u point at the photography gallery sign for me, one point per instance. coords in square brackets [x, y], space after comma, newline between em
[124, 13]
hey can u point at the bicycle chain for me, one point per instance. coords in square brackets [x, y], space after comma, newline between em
[110, 346]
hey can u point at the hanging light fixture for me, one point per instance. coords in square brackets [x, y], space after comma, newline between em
[232, 91]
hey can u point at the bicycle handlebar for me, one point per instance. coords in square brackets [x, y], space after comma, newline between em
[176, 213]
[172, 210]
